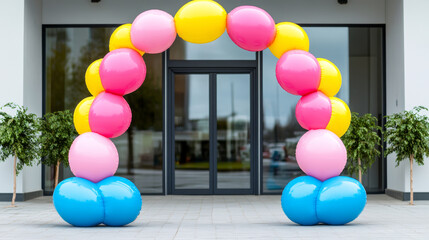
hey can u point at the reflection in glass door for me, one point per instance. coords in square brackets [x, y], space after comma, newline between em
[233, 131]
[211, 120]
[191, 132]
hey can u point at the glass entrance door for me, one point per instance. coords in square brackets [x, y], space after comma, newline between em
[211, 120]
[191, 133]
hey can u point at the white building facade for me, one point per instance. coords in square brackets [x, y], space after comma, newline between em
[379, 45]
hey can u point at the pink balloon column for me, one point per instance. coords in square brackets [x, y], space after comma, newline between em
[320, 153]
[122, 71]
[322, 196]
[95, 196]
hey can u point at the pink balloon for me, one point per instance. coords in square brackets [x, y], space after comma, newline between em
[153, 31]
[251, 28]
[298, 72]
[93, 157]
[109, 115]
[313, 111]
[122, 71]
[321, 154]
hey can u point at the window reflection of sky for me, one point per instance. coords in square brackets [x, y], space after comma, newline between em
[332, 43]
[233, 89]
[198, 96]
[221, 49]
[76, 39]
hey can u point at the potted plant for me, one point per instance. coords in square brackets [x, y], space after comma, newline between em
[362, 142]
[57, 135]
[407, 135]
[19, 139]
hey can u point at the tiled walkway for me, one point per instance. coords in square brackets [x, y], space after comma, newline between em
[218, 217]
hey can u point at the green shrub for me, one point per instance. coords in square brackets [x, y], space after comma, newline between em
[57, 135]
[19, 137]
[362, 142]
[407, 135]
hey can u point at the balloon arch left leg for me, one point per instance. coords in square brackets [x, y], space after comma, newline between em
[95, 196]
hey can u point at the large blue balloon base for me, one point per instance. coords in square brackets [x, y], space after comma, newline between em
[114, 201]
[336, 201]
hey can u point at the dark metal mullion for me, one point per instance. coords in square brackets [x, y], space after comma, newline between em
[383, 159]
[171, 138]
[207, 64]
[164, 124]
[259, 157]
[212, 70]
[253, 133]
[213, 132]
[44, 95]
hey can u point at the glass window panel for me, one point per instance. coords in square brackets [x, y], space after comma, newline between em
[222, 48]
[366, 87]
[69, 51]
[281, 131]
[191, 131]
[332, 43]
[140, 148]
[233, 131]
[357, 52]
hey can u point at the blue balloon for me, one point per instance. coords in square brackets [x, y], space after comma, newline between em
[78, 201]
[122, 201]
[299, 200]
[341, 200]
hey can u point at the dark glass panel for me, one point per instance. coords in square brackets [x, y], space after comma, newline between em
[191, 131]
[357, 52]
[222, 48]
[69, 51]
[233, 131]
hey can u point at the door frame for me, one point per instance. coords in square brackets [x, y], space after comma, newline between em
[213, 67]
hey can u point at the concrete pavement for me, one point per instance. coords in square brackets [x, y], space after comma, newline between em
[218, 217]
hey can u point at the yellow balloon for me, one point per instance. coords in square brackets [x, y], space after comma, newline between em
[289, 37]
[200, 21]
[340, 117]
[330, 81]
[92, 78]
[80, 116]
[121, 38]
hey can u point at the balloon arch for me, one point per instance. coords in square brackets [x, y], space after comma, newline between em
[95, 196]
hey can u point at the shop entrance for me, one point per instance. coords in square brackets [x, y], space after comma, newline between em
[212, 125]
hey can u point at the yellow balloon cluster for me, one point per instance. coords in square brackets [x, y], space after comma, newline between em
[121, 38]
[330, 79]
[340, 117]
[289, 36]
[80, 116]
[200, 21]
[92, 78]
